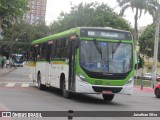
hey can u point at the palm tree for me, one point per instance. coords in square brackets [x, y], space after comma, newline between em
[138, 5]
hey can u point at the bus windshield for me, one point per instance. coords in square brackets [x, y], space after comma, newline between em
[18, 58]
[115, 57]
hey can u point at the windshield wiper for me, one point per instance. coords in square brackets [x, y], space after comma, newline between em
[97, 47]
[118, 44]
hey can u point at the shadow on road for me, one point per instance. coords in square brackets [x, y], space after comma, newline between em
[82, 98]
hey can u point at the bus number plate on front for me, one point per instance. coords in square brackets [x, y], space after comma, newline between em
[106, 92]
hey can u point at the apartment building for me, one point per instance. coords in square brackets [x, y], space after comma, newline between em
[37, 11]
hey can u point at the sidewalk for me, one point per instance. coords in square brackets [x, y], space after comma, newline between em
[144, 89]
[5, 70]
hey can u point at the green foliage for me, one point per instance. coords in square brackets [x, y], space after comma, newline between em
[4, 50]
[146, 41]
[138, 5]
[23, 34]
[10, 10]
[139, 62]
[89, 15]
[146, 5]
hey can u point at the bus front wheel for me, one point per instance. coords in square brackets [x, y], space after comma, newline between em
[65, 93]
[40, 86]
[108, 97]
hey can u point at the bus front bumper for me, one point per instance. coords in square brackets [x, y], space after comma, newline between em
[86, 88]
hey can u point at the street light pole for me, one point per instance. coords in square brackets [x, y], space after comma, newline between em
[154, 67]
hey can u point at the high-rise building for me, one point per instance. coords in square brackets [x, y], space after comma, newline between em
[37, 11]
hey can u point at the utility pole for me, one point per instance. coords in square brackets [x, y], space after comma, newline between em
[154, 67]
[11, 51]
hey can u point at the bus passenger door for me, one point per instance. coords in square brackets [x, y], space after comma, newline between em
[48, 65]
[72, 65]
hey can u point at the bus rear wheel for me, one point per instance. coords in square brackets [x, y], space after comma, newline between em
[65, 93]
[108, 97]
[40, 86]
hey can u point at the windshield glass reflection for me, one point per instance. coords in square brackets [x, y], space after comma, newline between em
[113, 58]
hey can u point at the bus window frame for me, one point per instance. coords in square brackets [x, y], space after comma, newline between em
[53, 50]
[58, 50]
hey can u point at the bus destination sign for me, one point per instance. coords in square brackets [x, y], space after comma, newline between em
[110, 34]
[103, 34]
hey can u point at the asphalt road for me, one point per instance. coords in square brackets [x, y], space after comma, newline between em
[22, 95]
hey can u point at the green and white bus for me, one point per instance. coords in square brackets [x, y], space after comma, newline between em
[87, 60]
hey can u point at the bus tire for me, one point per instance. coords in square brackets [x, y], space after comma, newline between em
[40, 86]
[108, 97]
[65, 93]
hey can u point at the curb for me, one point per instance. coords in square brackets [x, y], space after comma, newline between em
[7, 72]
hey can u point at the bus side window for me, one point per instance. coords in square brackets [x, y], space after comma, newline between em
[53, 49]
[38, 52]
[66, 48]
[49, 52]
[63, 49]
[58, 49]
[45, 51]
[34, 54]
[42, 50]
[31, 53]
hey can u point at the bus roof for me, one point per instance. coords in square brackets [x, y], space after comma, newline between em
[103, 28]
[72, 31]
[55, 36]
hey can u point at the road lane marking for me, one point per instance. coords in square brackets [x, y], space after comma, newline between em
[16, 84]
[25, 85]
[10, 85]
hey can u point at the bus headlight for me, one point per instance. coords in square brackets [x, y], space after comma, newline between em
[130, 81]
[82, 78]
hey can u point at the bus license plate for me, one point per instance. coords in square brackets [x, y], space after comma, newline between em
[106, 92]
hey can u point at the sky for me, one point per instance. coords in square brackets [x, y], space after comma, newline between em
[54, 7]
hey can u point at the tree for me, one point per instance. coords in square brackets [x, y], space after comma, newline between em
[139, 5]
[22, 34]
[146, 42]
[10, 10]
[89, 15]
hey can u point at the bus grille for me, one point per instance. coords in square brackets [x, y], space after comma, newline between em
[113, 89]
[114, 76]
